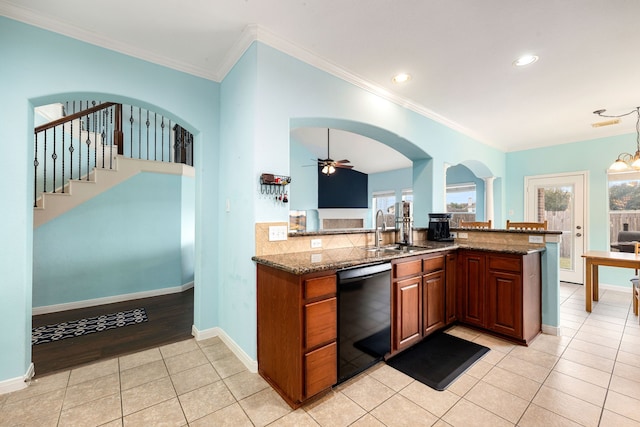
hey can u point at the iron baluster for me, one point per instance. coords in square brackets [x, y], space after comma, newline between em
[88, 143]
[62, 157]
[131, 132]
[102, 134]
[162, 136]
[139, 133]
[112, 141]
[148, 123]
[54, 156]
[155, 136]
[44, 183]
[71, 151]
[95, 141]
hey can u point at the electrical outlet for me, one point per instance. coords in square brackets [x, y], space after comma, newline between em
[536, 239]
[316, 243]
[454, 234]
[463, 235]
[316, 258]
[277, 232]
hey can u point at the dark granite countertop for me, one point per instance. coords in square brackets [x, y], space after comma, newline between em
[336, 259]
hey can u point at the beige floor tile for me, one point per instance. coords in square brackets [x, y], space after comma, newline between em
[585, 373]
[597, 339]
[436, 402]
[93, 371]
[245, 384]
[568, 406]
[185, 361]
[180, 347]
[627, 371]
[534, 356]
[631, 339]
[611, 419]
[228, 366]
[209, 342]
[588, 359]
[600, 332]
[366, 391]
[40, 386]
[194, 378]
[205, 400]
[368, 420]
[390, 377]
[625, 386]
[628, 358]
[464, 333]
[550, 344]
[493, 357]
[596, 349]
[518, 385]
[400, 411]
[577, 388]
[526, 369]
[494, 343]
[604, 325]
[93, 413]
[465, 414]
[480, 369]
[568, 332]
[168, 413]
[565, 323]
[497, 401]
[571, 318]
[441, 423]
[462, 384]
[230, 416]
[623, 405]
[90, 390]
[630, 347]
[264, 407]
[142, 374]
[32, 409]
[114, 423]
[217, 351]
[535, 416]
[146, 395]
[141, 358]
[608, 319]
[300, 418]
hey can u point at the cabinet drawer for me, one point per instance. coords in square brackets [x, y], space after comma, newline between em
[503, 263]
[407, 268]
[321, 369]
[319, 287]
[321, 319]
[433, 264]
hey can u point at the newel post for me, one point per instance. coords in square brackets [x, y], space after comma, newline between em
[118, 136]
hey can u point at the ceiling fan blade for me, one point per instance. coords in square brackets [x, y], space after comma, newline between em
[338, 165]
[343, 161]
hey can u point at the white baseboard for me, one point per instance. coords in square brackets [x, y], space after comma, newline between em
[247, 361]
[551, 330]
[109, 300]
[15, 384]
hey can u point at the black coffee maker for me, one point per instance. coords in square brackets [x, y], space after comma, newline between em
[439, 227]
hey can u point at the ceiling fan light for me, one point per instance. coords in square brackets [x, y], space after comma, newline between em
[636, 163]
[331, 169]
[325, 170]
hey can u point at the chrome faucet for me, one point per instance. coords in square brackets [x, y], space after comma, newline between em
[379, 214]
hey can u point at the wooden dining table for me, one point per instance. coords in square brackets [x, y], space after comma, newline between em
[594, 259]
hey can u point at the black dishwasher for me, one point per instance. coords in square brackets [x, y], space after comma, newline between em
[364, 318]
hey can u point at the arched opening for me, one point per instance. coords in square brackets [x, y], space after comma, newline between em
[470, 193]
[133, 241]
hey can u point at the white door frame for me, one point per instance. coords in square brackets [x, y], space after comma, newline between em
[580, 245]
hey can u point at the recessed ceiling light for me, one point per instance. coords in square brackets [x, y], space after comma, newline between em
[525, 60]
[401, 78]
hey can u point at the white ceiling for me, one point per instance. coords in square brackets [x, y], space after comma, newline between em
[459, 52]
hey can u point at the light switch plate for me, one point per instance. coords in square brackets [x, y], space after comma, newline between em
[536, 239]
[277, 232]
[316, 243]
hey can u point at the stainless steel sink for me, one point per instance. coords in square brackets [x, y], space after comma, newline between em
[398, 249]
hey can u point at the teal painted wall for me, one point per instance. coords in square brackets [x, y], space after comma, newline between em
[593, 156]
[394, 180]
[304, 178]
[125, 240]
[77, 70]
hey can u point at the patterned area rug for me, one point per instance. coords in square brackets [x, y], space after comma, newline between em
[89, 325]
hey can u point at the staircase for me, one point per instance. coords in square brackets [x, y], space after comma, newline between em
[76, 192]
[79, 156]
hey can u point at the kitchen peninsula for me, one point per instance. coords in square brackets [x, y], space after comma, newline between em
[491, 279]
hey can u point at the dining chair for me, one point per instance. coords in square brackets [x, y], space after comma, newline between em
[635, 286]
[475, 224]
[526, 225]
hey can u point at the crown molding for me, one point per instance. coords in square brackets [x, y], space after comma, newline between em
[251, 33]
[28, 16]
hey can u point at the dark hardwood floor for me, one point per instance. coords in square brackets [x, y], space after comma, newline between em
[169, 320]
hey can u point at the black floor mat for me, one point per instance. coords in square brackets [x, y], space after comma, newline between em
[438, 360]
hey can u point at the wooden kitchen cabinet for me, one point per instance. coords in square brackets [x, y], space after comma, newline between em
[297, 332]
[451, 269]
[418, 298]
[501, 293]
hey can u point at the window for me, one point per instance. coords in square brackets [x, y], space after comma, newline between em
[385, 201]
[461, 202]
[624, 203]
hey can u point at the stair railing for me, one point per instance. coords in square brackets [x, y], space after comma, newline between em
[72, 146]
